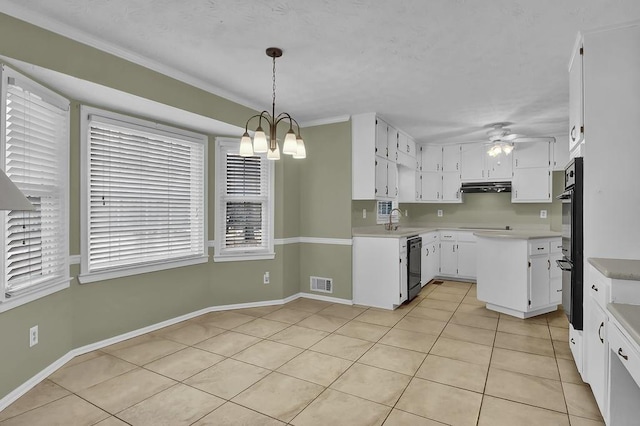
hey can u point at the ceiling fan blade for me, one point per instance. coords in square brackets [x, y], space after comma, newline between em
[512, 136]
[522, 139]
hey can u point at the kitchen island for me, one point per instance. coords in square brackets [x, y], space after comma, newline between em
[517, 272]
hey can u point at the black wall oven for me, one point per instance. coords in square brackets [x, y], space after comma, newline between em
[572, 264]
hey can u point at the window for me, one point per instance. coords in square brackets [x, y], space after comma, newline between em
[383, 210]
[34, 150]
[244, 209]
[143, 196]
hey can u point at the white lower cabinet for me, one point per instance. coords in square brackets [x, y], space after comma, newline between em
[467, 259]
[430, 257]
[458, 254]
[448, 258]
[379, 271]
[597, 352]
[576, 346]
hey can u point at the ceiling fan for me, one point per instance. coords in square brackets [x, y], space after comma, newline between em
[502, 139]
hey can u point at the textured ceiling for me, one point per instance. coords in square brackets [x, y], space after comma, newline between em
[438, 69]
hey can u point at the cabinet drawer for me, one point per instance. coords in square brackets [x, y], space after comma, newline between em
[625, 351]
[448, 236]
[598, 287]
[538, 247]
[429, 238]
[556, 246]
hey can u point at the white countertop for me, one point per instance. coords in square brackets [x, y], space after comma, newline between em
[617, 269]
[479, 230]
[518, 234]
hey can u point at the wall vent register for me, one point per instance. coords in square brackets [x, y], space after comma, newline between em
[324, 285]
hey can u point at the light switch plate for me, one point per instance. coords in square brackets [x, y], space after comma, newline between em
[543, 214]
[364, 213]
[440, 214]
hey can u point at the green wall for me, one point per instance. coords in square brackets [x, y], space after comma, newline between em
[84, 314]
[477, 209]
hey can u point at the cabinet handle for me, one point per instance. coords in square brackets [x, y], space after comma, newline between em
[548, 264]
[427, 252]
[387, 151]
[573, 133]
[622, 354]
[599, 330]
[594, 288]
[438, 195]
[454, 248]
[408, 148]
[386, 190]
[488, 173]
[438, 167]
[573, 341]
[456, 166]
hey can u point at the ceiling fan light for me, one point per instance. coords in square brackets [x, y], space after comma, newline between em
[260, 141]
[507, 148]
[301, 151]
[290, 145]
[274, 154]
[246, 149]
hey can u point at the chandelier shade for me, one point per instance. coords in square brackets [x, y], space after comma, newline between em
[293, 143]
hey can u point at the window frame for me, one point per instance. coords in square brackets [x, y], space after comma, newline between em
[43, 287]
[87, 276]
[223, 145]
[384, 217]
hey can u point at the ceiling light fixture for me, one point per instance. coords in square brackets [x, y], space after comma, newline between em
[500, 136]
[293, 143]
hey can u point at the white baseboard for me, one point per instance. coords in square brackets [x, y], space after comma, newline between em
[51, 368]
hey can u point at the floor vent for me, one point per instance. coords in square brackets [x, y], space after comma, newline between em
[324, 285]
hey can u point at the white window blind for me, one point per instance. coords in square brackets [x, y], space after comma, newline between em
[146, 201]
[244, 202]
[35, 149]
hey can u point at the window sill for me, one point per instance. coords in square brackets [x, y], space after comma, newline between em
[137, 270]
[30, 296]
[243, 257]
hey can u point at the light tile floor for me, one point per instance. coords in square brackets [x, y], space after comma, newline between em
[442, 359]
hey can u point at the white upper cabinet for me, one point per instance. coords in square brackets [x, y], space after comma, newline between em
[473, 162]
[500, 167]
[576, 98]
[531, 154]
[381, 138]
[392, 143]
[560, 153]
[451, 187]
[451, 158]
[431, 158]
[531, 185]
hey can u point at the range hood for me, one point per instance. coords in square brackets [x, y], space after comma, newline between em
[474, 187]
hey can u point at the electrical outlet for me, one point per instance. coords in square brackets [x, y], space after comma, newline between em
[543, 214]
[33, 336]
[265, 279]
[406, 213]
[440, 213]
[364, 213]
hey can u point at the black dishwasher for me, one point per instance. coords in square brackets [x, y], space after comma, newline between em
[414, 269]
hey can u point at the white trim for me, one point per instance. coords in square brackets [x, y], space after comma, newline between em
[35, 294]
[64, 30]
[332, 241]
[75, 259]
[285, 241]
[242, 257]
[166, 264]
[326, 298]
[51, 368]
[211, 243]
[323, 121]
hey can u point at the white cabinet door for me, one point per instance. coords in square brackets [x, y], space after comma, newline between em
[381, 178]
[411, 147]
[381, 138]
[596, 352]
[467, 259]
[451, 158]
[499, 167]
[531, 185]
[392, 179]
[576, 99]
[451, 187]
[431, 158]
[472, 157]
[448, 258]
[434, 258]
[538, 282]
[392, 144]
[560, 153]
[555, 279]
[431, 184]
[425, 273]
[531, 154]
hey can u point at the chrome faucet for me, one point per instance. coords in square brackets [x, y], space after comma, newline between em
[390, 226]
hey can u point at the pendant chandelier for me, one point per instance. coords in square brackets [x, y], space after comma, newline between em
[293, 143]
